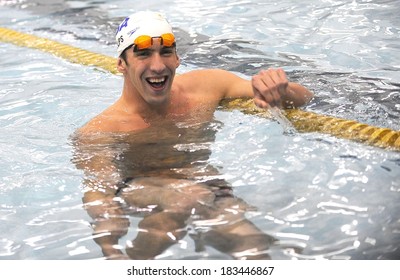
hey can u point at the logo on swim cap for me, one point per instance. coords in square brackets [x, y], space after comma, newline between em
[148, 23]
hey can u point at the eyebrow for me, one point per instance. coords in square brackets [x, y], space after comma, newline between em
[149, 49]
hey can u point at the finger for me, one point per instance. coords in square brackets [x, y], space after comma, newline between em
[257, 83]
[260, 100]
[261, 103]
[262, 95]
[272, 81]
[281, 83]
[284, 82]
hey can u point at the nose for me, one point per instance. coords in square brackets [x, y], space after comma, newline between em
[157, 64]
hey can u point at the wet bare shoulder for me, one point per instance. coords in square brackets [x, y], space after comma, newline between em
[112, 120]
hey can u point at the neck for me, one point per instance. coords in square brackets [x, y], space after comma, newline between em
[133, 103]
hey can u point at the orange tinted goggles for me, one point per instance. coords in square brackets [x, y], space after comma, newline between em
[144, 41]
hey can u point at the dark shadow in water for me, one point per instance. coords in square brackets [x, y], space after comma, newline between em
[162, 174]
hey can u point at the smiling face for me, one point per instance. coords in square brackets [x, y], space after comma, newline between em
[150, 71]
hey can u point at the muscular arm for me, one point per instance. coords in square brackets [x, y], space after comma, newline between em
[268, 88]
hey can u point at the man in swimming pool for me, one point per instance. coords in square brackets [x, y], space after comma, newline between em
[154, 98]
[148, 61]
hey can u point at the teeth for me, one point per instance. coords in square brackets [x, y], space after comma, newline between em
[156, 80]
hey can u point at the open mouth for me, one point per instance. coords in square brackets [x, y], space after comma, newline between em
[157, 83]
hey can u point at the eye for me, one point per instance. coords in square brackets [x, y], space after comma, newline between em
[167, 51]
[143, 53]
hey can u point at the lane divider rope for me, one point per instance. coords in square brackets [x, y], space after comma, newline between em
[312, 122]
[303, 121]
[72, 54]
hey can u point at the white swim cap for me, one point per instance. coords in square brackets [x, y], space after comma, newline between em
[148, 23]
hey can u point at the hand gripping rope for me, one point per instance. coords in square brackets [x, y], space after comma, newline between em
[301, 120]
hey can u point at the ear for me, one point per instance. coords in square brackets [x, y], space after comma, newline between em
[121, 65]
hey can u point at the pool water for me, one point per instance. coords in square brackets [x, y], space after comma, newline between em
[332, 198]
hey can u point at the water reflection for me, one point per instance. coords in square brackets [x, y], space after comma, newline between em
[162, 174]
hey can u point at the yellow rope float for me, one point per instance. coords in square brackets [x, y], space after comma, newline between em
[72, 54]
[301, 120]
[312, 122]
